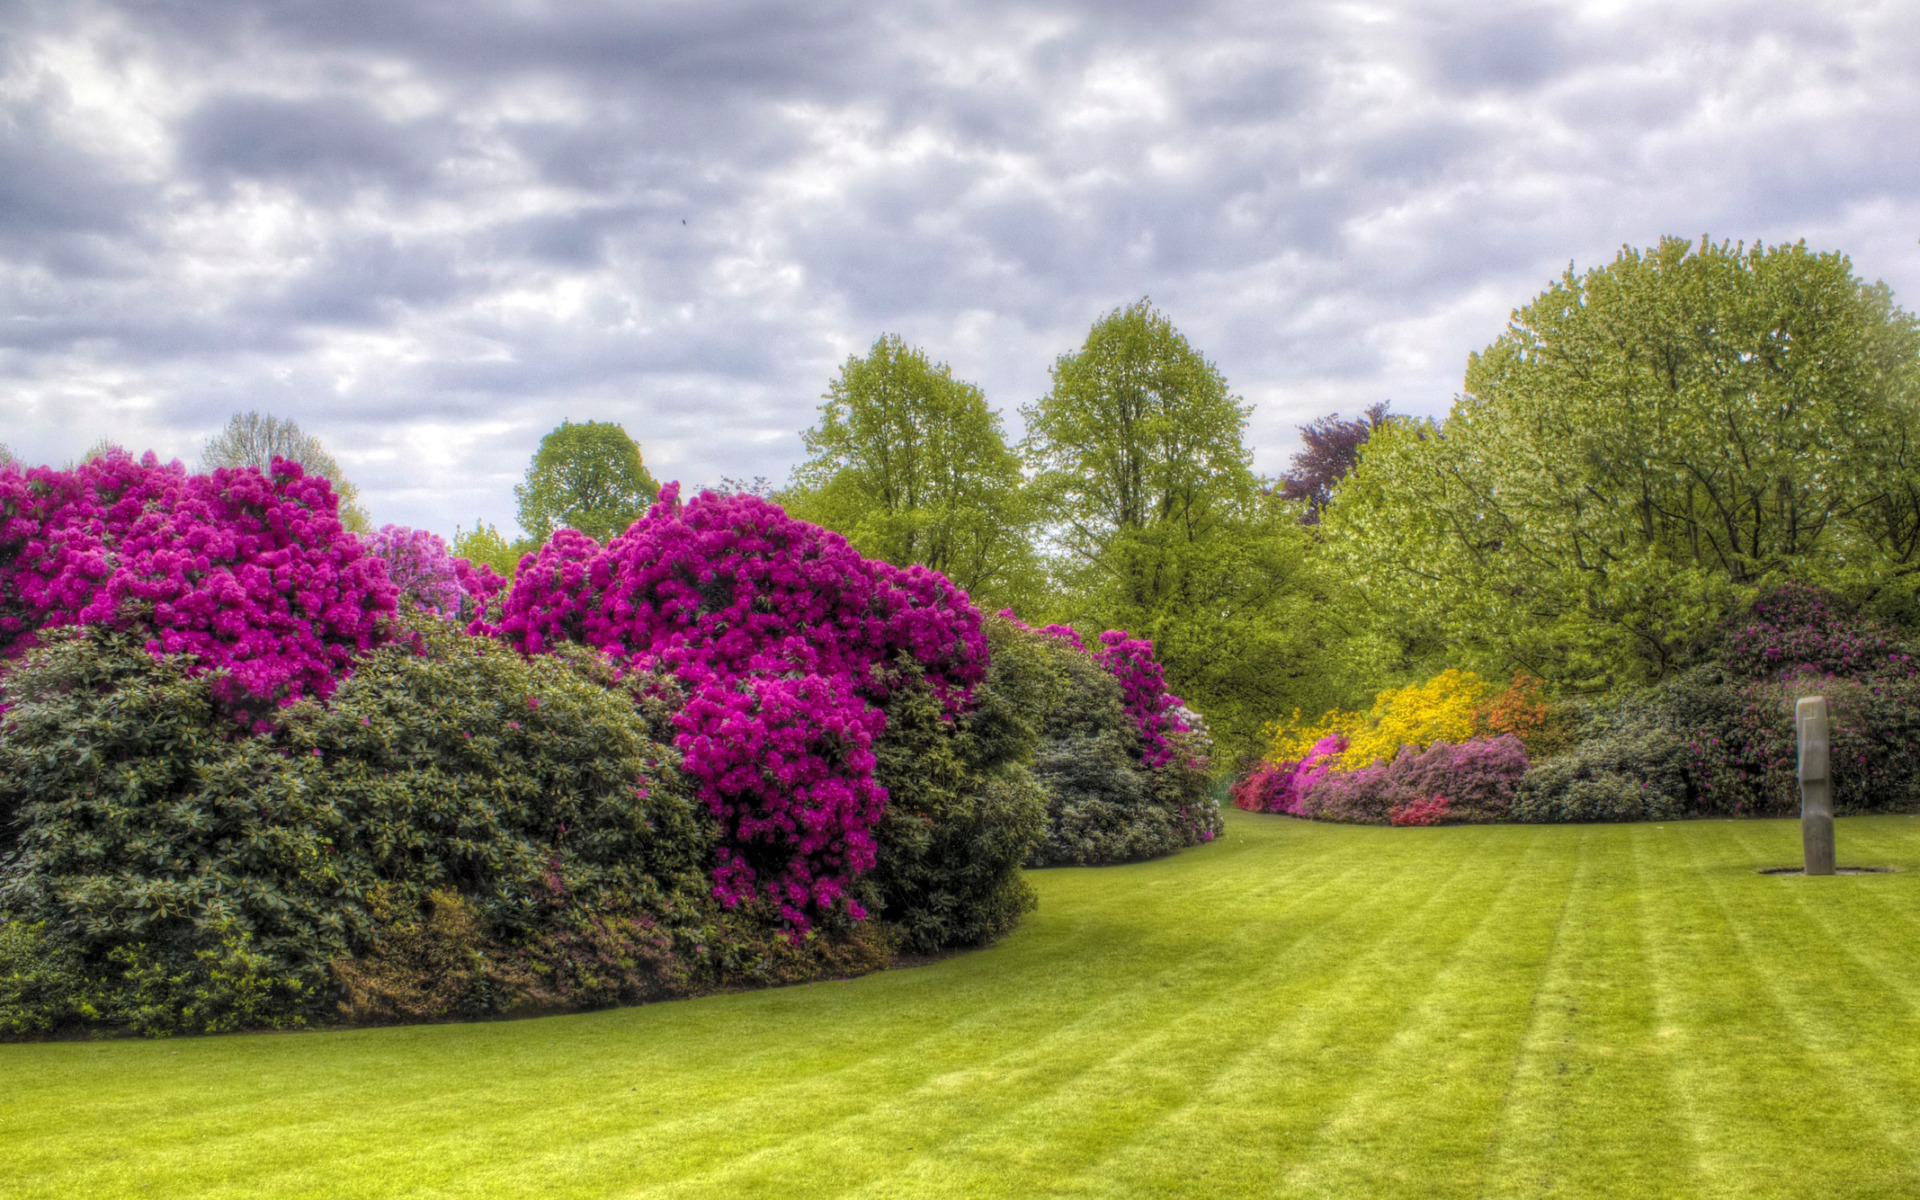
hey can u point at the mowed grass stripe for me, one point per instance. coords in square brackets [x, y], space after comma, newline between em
[1591, 1111]
[1277, 1014]
[1179, 1018]
[1765, 1110]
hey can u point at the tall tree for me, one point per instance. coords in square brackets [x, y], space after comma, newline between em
[1157, 523]
[1330, 448]
[252, 439]
[911, 466]
[588, 477]
[1645, 447]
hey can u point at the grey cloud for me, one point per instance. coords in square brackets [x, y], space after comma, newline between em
[363, 280]
[1332, 203]
[324, 145]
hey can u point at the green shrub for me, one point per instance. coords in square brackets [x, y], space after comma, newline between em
[963, 811]
[197, 878]
[1103, 804]
[1629, 760]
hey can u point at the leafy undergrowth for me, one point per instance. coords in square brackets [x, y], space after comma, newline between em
[1297, 1009]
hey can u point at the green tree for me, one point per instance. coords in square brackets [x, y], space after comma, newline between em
[588, 477]
[484, 544]
[1157, 524]
[253, 439]
[911, 466]
[1645, 447]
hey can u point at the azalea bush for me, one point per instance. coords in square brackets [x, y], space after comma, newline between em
[1446, 707]
[248, 574]
[1448, 749]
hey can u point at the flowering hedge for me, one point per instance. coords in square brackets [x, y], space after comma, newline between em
[781, 633]
[1447, 749]
[429, 577]
[249, 573]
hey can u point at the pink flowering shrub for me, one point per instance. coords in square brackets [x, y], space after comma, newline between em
[782, 633]
[430, 578]
[1283, 787]
[1477, 779]
[249, 573]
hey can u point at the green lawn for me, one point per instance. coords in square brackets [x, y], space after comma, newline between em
[1298, 1009]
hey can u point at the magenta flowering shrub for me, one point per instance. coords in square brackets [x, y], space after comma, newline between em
[783, 635]
[806, 744]
[429, 577]
[1143, 685]
[1156, 712]
[249, 573]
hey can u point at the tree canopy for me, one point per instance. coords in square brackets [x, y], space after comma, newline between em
[911, 466]
[1646, 447]
[253, 439]
[1158, 525]
[588, 477]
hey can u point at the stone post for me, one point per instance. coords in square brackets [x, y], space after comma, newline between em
[1816, 785]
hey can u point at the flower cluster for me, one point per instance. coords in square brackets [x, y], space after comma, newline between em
[250, 573]
[784, 637]
[1444, 708]
[1477, 779]
[428, 576]
[1143, 685]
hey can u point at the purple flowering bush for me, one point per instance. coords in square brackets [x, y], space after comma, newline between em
[783, 637]
[429, 577]
[250, 574]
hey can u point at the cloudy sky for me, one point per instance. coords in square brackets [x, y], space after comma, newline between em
[428, 230]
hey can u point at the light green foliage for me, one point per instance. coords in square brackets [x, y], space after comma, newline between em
[1159, 526]
[1297, 1010]
[911, 466]
[252, 439]
[7, 456]
[1645, 447]
[588, 477]
[484, 544]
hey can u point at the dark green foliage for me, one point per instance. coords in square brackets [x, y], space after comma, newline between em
[1630, 760]
[145, 831]
[1103, 805]
[193, 878]
[963, 810]
[525, 785]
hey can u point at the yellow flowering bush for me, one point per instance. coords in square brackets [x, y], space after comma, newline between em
[1443, 708]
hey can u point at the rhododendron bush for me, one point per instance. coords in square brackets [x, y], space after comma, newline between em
[429, 577]
[249, 573]
[782, 635]
[1123, 764]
